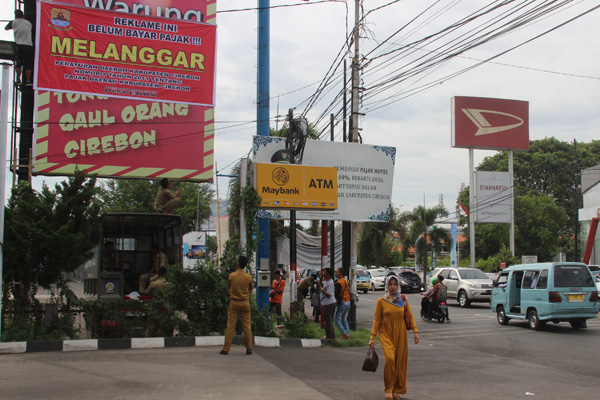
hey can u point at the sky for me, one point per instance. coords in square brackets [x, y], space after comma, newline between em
[556, 73]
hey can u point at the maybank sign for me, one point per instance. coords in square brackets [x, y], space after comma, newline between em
[291, 186]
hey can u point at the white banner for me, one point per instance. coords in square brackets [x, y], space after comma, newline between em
[365, 177]
[194, 247]
[493, 197]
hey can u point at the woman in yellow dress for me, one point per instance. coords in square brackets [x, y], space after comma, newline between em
[389, 322]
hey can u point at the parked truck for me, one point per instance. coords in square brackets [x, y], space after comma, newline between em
[132, 237]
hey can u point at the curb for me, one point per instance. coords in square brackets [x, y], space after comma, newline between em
[148, 343]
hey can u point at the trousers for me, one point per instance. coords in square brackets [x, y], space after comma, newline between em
[238, 308]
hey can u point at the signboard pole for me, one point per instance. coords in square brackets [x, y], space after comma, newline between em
[472, 209]
[511, 172]
[262, 126]
[3, 137]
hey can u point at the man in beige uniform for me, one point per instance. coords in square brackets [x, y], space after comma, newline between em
[160, 260]
[240, 288]
[166, 201]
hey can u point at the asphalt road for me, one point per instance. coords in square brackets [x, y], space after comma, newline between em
[471, 358]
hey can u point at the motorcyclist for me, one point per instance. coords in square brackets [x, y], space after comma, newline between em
[426, 301]
[440, 294]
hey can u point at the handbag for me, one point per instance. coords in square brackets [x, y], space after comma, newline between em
[406, 316]
[371, 361]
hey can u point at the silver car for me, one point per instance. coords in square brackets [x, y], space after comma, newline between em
[466, 285]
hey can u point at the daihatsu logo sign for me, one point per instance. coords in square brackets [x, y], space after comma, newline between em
[484, 123]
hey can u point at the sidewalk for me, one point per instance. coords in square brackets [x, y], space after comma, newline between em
[181, 373]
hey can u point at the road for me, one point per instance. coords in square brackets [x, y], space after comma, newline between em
[471, 358]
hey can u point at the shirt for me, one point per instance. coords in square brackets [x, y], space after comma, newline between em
[162, 197]
[329, 288]
[22, 30]
[240, 285]
[342, 290]
[278, 286]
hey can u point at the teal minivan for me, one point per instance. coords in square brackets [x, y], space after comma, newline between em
[538, 293]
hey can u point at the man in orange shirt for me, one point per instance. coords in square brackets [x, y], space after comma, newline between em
[240, 288]
[276, 293]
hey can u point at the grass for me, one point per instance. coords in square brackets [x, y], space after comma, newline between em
[358, 338]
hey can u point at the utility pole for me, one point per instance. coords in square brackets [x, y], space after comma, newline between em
[354, 139]
[262, 125]
[576, 201]
[293, 239]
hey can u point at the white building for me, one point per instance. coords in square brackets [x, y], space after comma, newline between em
[590, 187]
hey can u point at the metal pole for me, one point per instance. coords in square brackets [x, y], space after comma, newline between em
[511, 173]
[293, 239]
[354, 139]
[472, 210]
[332, 225]
[243, 184]
[263, 90]
[3, 137]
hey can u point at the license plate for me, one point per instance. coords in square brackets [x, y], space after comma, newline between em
[576, 297]
[487, 292]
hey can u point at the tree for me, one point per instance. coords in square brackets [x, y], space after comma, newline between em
[422, 219]
[137, 196]
[540, 225]
[48, 233]
[550, 167]
[376, 244]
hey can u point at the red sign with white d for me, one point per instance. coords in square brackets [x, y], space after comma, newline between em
[486, 123]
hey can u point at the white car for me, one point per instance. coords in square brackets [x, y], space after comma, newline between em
[377, 278]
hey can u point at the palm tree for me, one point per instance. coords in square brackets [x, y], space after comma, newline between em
[377, 239]
[422, 222]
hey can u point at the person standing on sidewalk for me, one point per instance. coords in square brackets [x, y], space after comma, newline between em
[240, 288]
[276, 293]
[342, 294]
[328, 303]
[389, 322]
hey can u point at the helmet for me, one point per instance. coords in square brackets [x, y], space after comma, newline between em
[434, 281]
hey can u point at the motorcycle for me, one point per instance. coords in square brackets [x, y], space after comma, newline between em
[439, 312]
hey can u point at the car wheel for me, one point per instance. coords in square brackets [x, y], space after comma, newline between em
[534, 320]
[501, 316]
[578, 323]
[423, 315]
[365, 291]
[441, 320]
[463, 300]
[372, 287]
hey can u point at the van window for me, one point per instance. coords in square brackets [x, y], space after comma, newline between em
[543, 280]
[445, 273]
[502, 279]
[573, 276]
[530, 279]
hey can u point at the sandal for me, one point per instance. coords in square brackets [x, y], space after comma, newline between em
[389, 396]
[396, 396]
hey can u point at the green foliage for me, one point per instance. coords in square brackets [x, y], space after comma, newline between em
[540, 229]
[27, 320]
[492, 263]
[300, 326]
[376, 241]
[550, 167]
[50, 232]
[137, 196]
[422, 219]
[263, 324]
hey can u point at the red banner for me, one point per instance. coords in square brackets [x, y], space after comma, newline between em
[488, 123]
[127, 138]
[83, 50]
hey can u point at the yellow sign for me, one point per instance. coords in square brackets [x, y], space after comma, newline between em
[291, 186]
